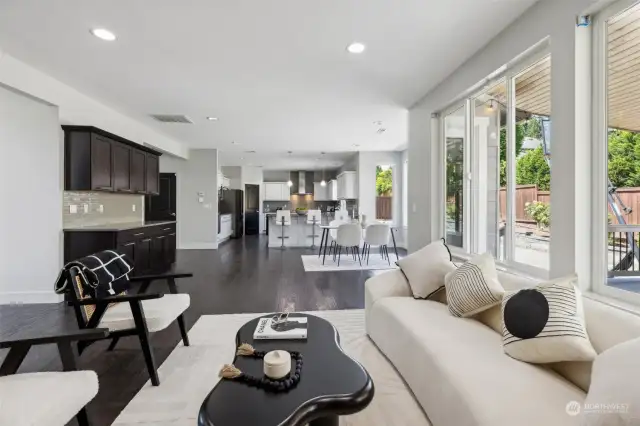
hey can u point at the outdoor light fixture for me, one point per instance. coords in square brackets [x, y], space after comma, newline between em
[490, 107]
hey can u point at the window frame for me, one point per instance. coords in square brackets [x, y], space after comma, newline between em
[507, 73]
[599, 150]
[461, 105]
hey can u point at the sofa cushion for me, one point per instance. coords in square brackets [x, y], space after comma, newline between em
[615, 387]
[45, 398]
[473, 287]
[426, 268]
[458, 371]
[546, 323]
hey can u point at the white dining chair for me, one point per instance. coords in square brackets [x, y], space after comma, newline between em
[349, 236]
[377, 235]
[314, 217]
[333, 233]
[342, 215]
[283, 218]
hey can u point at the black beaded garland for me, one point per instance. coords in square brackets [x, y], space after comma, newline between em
[286, 383]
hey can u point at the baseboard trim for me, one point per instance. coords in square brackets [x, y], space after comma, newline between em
[198, 246]
[24, 297]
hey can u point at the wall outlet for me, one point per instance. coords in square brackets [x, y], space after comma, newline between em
[101, 208]
[413, 207]
[85, 207]
[73, 209]
[133, 207]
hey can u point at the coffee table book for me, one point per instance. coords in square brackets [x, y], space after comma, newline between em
[296, 329]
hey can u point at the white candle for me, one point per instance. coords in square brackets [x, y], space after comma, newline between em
[277, 364]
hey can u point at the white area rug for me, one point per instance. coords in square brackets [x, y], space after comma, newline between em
[189, 374]
[313, 263]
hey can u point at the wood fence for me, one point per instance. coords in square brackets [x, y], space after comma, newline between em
[630, 197]
[524, 194]
[384, 206]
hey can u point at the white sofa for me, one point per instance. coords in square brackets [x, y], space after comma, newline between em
[457, 369]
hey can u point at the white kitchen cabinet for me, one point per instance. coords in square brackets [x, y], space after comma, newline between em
[276, 191]
[223, 181]
[347, 186]
[320, 193]
[226, 227]
[332, 190]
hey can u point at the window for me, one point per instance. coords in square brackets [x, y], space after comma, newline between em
[490, 146]
[454, 134]
[405, 193]
[532, 203]
[617, 149]
[498, 167]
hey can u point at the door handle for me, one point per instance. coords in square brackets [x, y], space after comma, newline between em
[172, 214]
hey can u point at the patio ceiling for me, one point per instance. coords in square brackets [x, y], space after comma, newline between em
[533, 86]
[624, 70]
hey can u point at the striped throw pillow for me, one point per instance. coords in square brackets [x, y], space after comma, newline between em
[546, 323]
[473, 287]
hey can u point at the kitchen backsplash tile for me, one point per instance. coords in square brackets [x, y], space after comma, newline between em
[117, 208]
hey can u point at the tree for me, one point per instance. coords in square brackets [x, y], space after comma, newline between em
[624, 158]
[532, 128]
[384, 181]
[532, 169]
[520, 134]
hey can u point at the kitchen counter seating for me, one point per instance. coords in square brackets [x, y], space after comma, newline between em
[296, 232]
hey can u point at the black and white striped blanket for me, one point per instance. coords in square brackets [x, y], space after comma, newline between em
[103, 274]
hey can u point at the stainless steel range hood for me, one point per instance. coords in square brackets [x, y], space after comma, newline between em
[305, 183]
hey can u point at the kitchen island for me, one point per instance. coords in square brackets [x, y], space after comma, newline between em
[298, 234]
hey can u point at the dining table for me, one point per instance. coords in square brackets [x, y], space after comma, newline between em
[324, 240]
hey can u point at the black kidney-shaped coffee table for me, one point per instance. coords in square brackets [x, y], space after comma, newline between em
[331, 384]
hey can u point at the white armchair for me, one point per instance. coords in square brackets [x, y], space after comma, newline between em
[49, 398]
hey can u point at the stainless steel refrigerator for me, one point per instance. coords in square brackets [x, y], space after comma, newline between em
[231, 201]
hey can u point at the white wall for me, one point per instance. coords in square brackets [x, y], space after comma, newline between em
[31, 185]
[79, 109]
[197, 221]
[367, 162]
[547, 18]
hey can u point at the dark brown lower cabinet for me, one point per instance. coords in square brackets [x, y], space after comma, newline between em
[151, 249]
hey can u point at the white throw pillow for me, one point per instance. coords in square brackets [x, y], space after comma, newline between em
[473, 287]
[546, 323]
[426, 268]
[614, 394]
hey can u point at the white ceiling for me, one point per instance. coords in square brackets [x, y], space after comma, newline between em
[278, 160]
[275, 72]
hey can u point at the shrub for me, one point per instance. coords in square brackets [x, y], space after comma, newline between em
[540, 212]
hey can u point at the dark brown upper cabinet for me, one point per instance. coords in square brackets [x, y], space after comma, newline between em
[96, 160]
[101, 163]
[121, 167]
[138, 172]
[153, 174]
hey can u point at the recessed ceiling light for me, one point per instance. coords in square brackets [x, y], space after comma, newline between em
[235, 143]
[103, 34]
[356, 48]
[212, 118]
[356, 145]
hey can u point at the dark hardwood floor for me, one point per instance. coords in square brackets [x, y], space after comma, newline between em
[243, 276]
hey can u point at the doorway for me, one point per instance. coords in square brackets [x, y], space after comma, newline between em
[163, 205]
[252, 209]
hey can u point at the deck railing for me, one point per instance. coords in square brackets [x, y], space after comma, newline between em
[623, 252]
